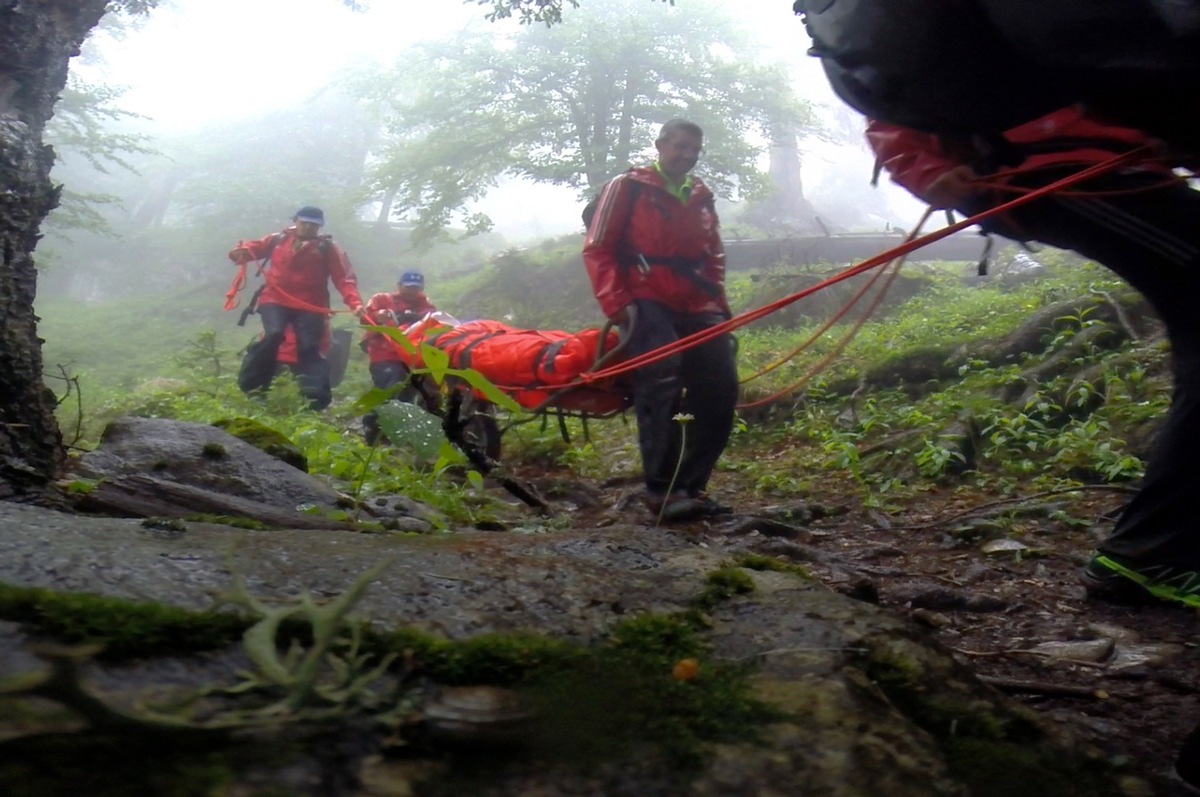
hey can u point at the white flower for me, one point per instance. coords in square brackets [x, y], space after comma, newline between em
[683, 417]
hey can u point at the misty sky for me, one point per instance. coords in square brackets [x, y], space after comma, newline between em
[195, 62]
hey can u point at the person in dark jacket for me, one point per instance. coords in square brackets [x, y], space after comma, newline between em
[1140, 222]
[300, 265]
[654, 255]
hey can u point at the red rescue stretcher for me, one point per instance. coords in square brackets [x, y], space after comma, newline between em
[538, 369]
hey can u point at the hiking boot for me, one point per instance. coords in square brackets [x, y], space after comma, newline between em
[1117, 580]
[712, 507]
[674, 507]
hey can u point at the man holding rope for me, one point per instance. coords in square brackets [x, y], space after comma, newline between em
[300, 264]
[654, 255]
[1140, 222]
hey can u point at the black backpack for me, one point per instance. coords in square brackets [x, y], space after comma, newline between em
[589, 210]
[963, 68]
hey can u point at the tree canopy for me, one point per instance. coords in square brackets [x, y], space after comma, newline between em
[528, 11]
[571, 105]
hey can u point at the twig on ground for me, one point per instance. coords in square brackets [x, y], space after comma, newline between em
[1020, 686]
[1115, 488]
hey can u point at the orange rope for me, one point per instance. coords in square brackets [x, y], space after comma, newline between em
[840, 313]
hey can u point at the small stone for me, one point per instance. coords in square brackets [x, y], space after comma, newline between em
[1093, 650]
[931, 619]
[1117, 633]
[1155, 655]
[1005, 545]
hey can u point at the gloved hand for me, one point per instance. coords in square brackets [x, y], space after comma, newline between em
[620, 317]
[240, 254]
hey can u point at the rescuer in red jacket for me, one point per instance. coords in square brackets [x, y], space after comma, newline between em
[300, 265]
[407, 305]
[1141, 223]
[654, 255]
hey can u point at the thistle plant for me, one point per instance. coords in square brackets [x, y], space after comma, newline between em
[683, 419]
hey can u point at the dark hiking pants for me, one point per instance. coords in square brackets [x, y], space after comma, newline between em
[1151, 238]
[312, 370]
[701, 382]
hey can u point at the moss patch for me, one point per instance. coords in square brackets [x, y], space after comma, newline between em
[265, 439]
[229, 520]
[125, 628]
[723, 584]
[753, 561]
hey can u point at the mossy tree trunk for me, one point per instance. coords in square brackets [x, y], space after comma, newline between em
[37, 39]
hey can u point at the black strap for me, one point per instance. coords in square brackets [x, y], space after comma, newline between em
[688, 267]
[464, 356]
[547, 355]
[251, 306]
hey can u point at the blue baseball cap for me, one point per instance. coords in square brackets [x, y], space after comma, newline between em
[414, 278]
[310, 214]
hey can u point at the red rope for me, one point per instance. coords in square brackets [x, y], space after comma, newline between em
[239, 282]
[824, 362]
[840, 313]
[883, 258]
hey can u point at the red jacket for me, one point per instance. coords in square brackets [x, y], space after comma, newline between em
[390, 310]
[656, 225]
[296, 277]
[1065, 137]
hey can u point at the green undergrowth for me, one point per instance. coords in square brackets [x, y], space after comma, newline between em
[329, 443]
[1084, 417]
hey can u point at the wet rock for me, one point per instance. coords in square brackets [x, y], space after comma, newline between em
[861, 701]
[408, 525]
[203, 456]
[401, 506]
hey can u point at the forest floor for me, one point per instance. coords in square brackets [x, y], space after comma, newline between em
[996, 580]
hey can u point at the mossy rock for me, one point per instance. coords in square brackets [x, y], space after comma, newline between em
[265, 439]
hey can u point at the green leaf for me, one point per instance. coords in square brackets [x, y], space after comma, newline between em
[437, 362]
[372, 399]
[492, 393]
[396, 335]
[412, 427]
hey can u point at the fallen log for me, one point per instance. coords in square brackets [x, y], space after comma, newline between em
[145, 496]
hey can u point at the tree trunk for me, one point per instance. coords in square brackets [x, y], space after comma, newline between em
[786, 209]
[37, 39]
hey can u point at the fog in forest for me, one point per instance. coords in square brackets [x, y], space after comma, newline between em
[210, 121]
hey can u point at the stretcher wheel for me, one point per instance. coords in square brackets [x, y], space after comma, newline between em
[484, 433]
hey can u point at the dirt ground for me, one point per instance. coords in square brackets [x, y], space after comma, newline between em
[1128, 682]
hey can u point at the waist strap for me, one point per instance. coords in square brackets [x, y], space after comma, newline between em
[688, 267]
